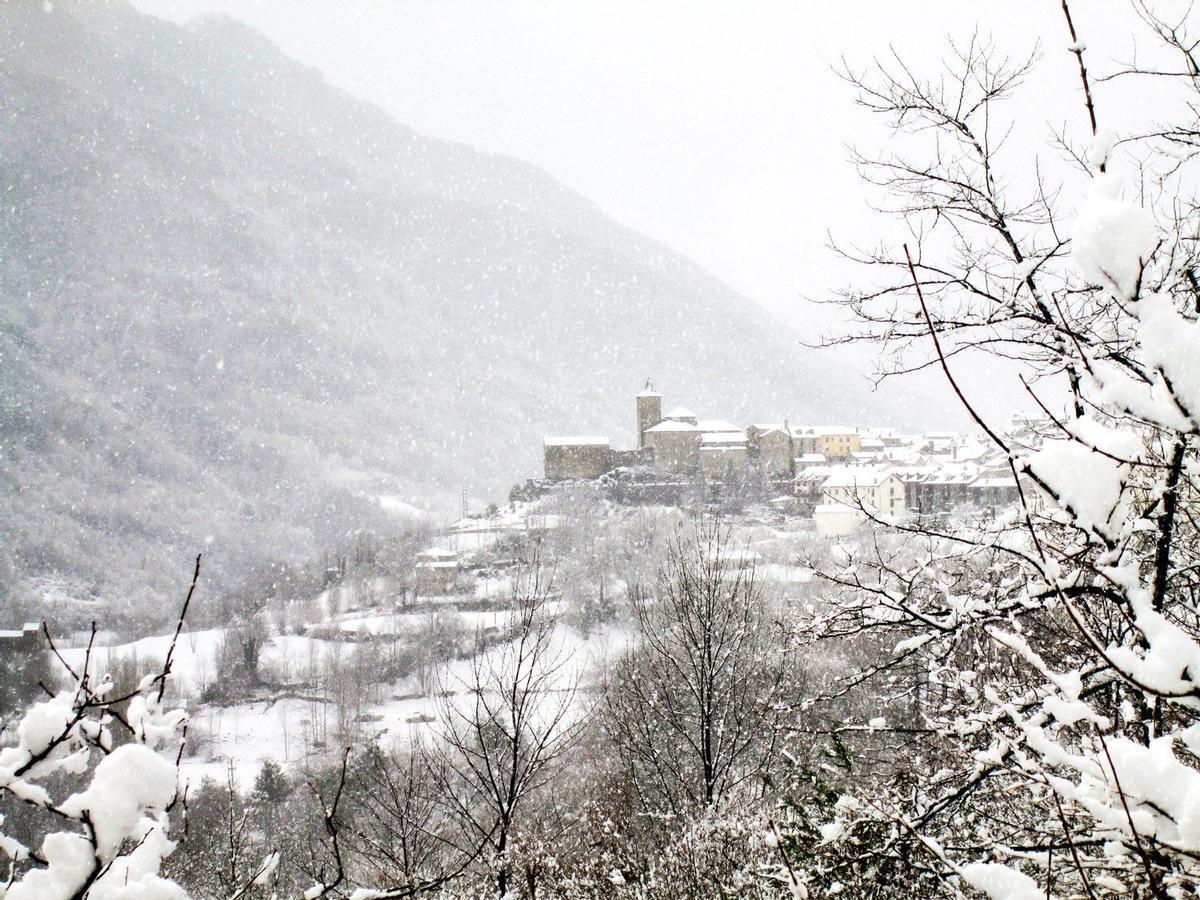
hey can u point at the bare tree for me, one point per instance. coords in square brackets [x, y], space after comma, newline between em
[694, 706]
[395, 829]
[223, 847]
[506, 727]
[439, 636]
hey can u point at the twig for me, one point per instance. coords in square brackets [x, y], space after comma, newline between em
[1137, 839]
[166, 670]
[1077, 49]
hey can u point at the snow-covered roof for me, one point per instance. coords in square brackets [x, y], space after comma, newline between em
[576, 441]
[648, 390]
[437, 553]
[15, 633]
[824, 430]
[906, 455]
[815, 473]
[995, 482]
[972, 450]
[718, 425]
[680, 412]
[857, 476]
[812, 458]
[672, 425]
[944, 474]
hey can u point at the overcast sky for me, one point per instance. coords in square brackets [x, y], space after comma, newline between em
[719, 128]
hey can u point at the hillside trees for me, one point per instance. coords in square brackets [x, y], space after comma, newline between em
[395, 828]
[112, 756]
[20, 671]
[244, 615]
[1057, 649]
[225, 844]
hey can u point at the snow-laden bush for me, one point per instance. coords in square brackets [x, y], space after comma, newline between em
[113, 834]
[1051, 657]
[109, 838]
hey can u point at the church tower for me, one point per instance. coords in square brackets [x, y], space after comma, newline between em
[649, 411]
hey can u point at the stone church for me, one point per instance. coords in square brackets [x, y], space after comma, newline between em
[679, 442]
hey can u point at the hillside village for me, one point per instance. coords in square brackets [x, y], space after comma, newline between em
[837, 476]
[830, 479]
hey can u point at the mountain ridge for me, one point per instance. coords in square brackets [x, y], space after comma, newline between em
[242, 304]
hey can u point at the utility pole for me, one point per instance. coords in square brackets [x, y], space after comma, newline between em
[464, 503]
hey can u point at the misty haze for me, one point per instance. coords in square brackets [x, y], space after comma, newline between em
[628, 450]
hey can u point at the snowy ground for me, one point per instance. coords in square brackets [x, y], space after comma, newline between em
[302, 731]
[299, 727]
[194, 663]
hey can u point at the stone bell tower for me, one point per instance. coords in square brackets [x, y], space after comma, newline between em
[649, 411]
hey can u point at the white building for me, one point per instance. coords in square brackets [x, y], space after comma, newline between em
[876, 490]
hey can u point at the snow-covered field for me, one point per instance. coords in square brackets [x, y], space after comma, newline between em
[408, 622]
[300, 731]
[302, 725]
[776, 572]
[194, 664]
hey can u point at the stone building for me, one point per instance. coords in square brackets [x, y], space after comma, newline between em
[809, 490]
[24, 665]
[569, 458]
[773, 448]
[994, 490]
[436, 571]
[676, 445]
[26, 639]
[721, 453]
[681, 443]
[682, 414]
[649, 411]
[937, 490]
[642, 456]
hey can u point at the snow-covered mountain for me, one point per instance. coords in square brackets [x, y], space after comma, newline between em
[238, 305]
